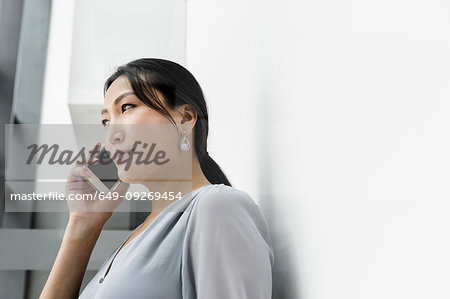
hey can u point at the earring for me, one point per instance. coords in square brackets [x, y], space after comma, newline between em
[184, 143]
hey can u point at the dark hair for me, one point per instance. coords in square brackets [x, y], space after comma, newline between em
[178, 87]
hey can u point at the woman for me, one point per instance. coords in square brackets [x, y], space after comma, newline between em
[213, 243]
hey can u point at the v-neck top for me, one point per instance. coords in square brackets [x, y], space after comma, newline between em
[212, 243]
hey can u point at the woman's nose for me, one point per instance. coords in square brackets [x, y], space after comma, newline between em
[117, 136]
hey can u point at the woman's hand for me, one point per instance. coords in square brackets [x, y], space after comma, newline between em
[94, 208]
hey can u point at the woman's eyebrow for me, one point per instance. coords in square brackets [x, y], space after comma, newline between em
[119, 98]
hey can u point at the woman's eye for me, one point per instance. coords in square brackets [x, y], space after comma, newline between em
[126, 105]
[123, 107]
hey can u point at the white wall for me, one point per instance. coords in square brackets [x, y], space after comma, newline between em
[222, 56]
[350, 99]
[333, 116]
[55, 108]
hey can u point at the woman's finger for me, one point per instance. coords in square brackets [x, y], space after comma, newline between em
[79, 173]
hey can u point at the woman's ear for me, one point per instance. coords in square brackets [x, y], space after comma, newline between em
[188, 115]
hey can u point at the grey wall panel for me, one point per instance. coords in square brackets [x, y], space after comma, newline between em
[37, 249]
[31, 60]
[12, 283]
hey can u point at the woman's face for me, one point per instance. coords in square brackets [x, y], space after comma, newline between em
[130, 124]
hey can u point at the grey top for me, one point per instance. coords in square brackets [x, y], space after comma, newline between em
[212, 243]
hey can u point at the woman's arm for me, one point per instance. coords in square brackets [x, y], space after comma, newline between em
[86, 221]
[67, 273]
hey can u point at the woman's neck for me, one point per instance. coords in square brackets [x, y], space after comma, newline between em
[178, 188]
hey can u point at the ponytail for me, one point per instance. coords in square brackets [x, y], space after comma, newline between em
[212, 170]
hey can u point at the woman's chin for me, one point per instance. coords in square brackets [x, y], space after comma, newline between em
[130, 176]
[126, 177]
[139, 175]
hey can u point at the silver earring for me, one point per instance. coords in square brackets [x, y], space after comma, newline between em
[184, 143]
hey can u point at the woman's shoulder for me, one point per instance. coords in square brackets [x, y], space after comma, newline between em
[228, 215]
[221, 197]
[225, 206]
